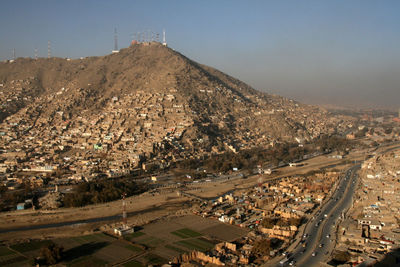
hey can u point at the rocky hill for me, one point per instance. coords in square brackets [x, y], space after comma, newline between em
[144, 99]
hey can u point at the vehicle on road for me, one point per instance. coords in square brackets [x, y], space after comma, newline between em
[314, 254]
[283, 261]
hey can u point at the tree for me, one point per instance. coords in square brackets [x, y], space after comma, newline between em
[262, 247]
[51, 254]
[341, 256]
[268, 222]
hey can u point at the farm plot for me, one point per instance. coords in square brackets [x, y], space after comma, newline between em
[89, 250]
[149, 241]
[118, 251]
[11, 258]
[132, 236]
[30, 246]
[225, 232]
[171, 237]
[97, 249]
[133, 263]
[185, 233]
[200, 244]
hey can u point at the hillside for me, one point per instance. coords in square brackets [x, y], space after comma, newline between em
[145, 99]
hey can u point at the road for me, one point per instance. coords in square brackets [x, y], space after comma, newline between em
[317, 240]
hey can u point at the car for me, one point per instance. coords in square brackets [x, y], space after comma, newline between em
[292, 263]
[325, 215]
[314, 254]
[321, 245]
[283, 261]
[328, 235]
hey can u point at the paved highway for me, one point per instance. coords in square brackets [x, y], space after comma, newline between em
[317, 240]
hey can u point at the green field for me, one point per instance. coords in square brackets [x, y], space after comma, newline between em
[87, 261]
[155, 244]
[181, 251]
[133, 235]
[150, 241]
[186, 233]
[196, 244]
[133, 248]
[10, 258]
[5, 251]
[33, 245]
[15, 260]
[91, 238]
[154, 259]
[133, 264]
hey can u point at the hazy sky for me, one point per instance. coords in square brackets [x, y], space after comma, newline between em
[339, 52]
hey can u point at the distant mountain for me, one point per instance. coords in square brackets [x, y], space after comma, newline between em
[144, 96]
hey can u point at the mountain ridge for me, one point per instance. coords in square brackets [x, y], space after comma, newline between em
[149, 92]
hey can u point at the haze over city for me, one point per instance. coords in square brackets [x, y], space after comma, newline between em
[344, 53]
[180, 133]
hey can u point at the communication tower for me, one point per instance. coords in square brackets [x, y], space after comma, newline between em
[164, 40]
[48, 49]
[36, 53]
[14, 53]
[124, 219]
[115, 41]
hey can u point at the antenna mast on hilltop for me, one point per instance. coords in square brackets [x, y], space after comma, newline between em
[124, 219]
[115, 41]
[13, 53]
[36, 53]
[164, 41]
[48, 49]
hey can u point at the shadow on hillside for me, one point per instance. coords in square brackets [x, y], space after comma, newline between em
[83, 250]
[391, 259]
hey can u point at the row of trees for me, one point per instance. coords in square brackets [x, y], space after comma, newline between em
[247, 159]
[10, 199]
[281, 153]
[102, 191]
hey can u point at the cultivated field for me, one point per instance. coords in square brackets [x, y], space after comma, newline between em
[155, 243]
